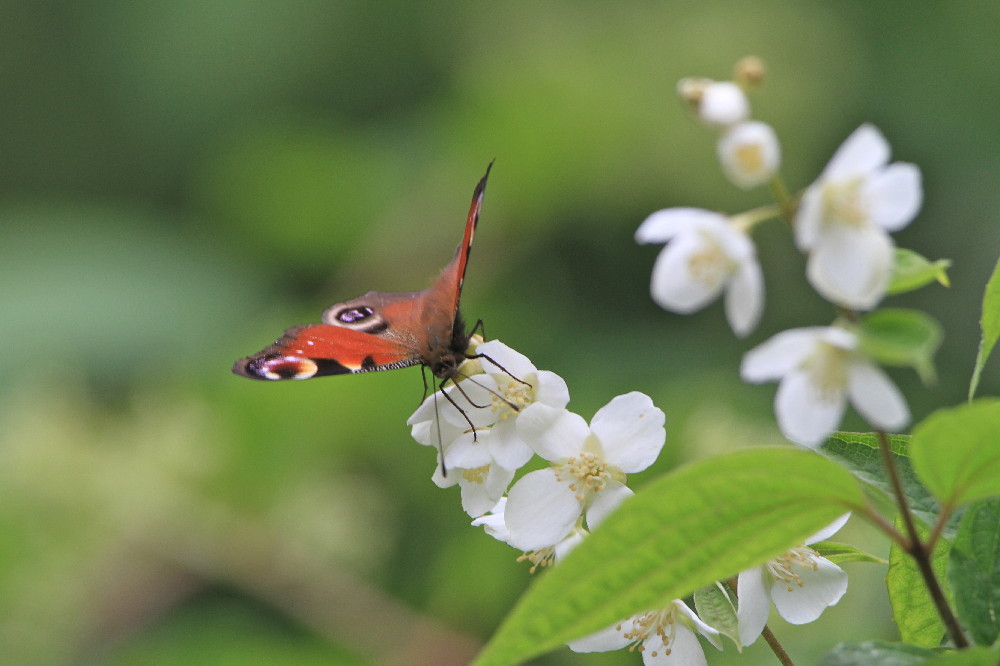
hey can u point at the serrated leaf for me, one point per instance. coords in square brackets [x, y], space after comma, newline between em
[913, 609]
[990, 326]
[703, 522]
[838, 553]
[955, 453]
[908, 338]
[974, 571]
[715, 608]
[911, 271]
[875, 652]
[859, 452]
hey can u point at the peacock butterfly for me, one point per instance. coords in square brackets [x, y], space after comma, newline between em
[380, 330]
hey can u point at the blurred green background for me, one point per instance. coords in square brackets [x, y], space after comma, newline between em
[182, 181]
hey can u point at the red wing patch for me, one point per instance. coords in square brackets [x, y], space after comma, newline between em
[316, 350]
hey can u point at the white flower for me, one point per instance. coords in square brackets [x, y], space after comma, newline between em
[588, 470]
[844, 218]
[706, 254]
[495, 525]
[468, 463]
[507, 390]
[666, 636]
[716, 103]
[749, 153]
[801, 583]
[819, 368]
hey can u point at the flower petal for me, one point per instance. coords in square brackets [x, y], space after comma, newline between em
[821, 587]
[605, 502]
[468, 452]
[664, 224]
[807, 413]
[471, 401]
[554, 434]
[749, 153]
[497, 354]
[895, 195]
[550, 389]
[851, 266]
[493, 522]
[684, 650]
[610, 638]
[779, 354]
[630, 429]
[723, 103]
[753, 604]
[864, 151]
[745, 297]
[479, 496]
[829, 530]
[541, 511]
[688, 274]
[809, 218]
[507, 448]
[706, 630]
[875, 397]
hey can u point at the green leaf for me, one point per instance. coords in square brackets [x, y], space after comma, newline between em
[974, 572]
[977, 656]
[902, 337]
[838, 553]
[913, 610]
[955, 453]
[703, 522]
[911, 271]
[859, 452]
[715, 607]
[990, 324]
[875, 652]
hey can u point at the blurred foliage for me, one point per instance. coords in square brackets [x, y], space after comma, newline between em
[181, 181]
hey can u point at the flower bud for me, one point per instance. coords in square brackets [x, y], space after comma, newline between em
[749, 153]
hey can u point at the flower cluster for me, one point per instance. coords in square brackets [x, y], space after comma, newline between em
[842, 222]
[501, 410]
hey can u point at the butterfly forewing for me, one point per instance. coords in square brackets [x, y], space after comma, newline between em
[380, 330]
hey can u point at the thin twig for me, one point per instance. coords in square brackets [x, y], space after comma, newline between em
[918, 550]
[779, 652]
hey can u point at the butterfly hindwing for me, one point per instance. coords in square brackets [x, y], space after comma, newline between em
[379, 330]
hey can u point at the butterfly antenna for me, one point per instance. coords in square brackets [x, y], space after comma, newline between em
[502, 369]
[495, 394]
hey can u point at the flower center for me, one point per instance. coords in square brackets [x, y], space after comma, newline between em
[511, 398]
[544, 557]
[710, 265]
[476, 475]
[750, 158]
[587, 473]
[827, 367]
[845, 205]
[783, 568]
[661, 623]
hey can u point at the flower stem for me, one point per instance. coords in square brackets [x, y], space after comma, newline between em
[779, 652]
[784, 199]
[917, 549]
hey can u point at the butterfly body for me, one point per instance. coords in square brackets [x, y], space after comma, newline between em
[379, 330]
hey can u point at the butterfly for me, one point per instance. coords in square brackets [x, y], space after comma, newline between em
[379, 330]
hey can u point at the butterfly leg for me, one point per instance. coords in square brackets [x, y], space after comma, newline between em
[459, 408]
